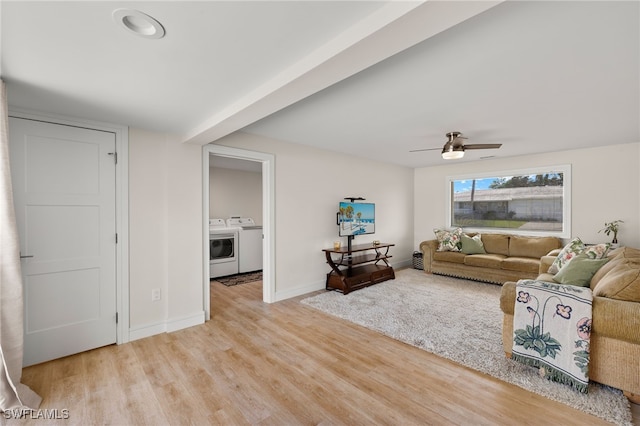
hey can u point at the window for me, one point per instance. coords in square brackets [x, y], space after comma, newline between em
[531, 201]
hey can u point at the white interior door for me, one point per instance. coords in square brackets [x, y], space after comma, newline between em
[64, 194]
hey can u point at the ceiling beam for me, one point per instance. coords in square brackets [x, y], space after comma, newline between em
[390, 30]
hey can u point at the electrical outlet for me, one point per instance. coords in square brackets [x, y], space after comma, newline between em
[155, 295]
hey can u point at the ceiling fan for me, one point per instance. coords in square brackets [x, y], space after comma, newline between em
[455, 147]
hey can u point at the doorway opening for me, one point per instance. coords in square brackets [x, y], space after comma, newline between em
[265, 162]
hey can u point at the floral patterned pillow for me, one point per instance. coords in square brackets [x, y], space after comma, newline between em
[574, 248]
[449, 240]
[597, 251]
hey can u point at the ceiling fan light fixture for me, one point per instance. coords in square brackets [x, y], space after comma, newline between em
[450, 152]
[455, 147]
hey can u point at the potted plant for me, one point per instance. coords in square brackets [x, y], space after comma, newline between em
[612, 228]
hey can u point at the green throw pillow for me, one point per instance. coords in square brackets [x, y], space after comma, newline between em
[472, 245]
[579, 271]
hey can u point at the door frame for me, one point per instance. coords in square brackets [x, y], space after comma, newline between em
[122, 204]
[268, 217]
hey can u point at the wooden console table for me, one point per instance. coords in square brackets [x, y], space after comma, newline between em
[358, 266]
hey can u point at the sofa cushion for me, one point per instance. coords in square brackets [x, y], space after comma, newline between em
[496, 243]
[531, 246]
[484, 260]
[621, 283]
[520, 264]
[472, 244]
[625, 252]
[546, 277]
[613, 263]
[448, 240]
[579, 271]
[449, 256]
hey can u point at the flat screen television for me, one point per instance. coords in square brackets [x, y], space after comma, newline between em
[356, 219]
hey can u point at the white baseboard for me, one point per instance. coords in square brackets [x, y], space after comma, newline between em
[186, 321]
[299, 291]
[403, 264]
[168, 326]
[146, 330]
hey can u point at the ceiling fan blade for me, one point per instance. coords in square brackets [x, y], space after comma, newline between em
[482, 146]
[426, 149]
[456, 143]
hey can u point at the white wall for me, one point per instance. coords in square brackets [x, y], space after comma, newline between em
[605, 187]
[166, 236]
[309, 184]
[235, 193]
[166, 215]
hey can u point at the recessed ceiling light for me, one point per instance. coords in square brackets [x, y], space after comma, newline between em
[138, 23]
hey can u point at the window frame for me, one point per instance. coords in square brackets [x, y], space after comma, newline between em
[565, 169]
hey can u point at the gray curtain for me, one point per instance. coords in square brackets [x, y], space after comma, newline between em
[13, 394]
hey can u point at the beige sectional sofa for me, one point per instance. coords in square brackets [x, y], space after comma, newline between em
[507, 258]
[615, 334]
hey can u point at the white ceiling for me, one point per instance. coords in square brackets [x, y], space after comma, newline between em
[373, 79]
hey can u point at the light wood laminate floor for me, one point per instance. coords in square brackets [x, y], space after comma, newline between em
[279, 364]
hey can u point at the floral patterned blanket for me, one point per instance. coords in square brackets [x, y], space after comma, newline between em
[551, 330]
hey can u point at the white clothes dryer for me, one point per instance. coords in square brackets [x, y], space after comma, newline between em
[223, 249]
[250, 243]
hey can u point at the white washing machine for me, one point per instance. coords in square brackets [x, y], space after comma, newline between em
[249, 242]
[223, 249]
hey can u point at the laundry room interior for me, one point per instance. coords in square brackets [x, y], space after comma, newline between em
[235, 216]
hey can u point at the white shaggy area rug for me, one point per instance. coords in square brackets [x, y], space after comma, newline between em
[460, 320]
